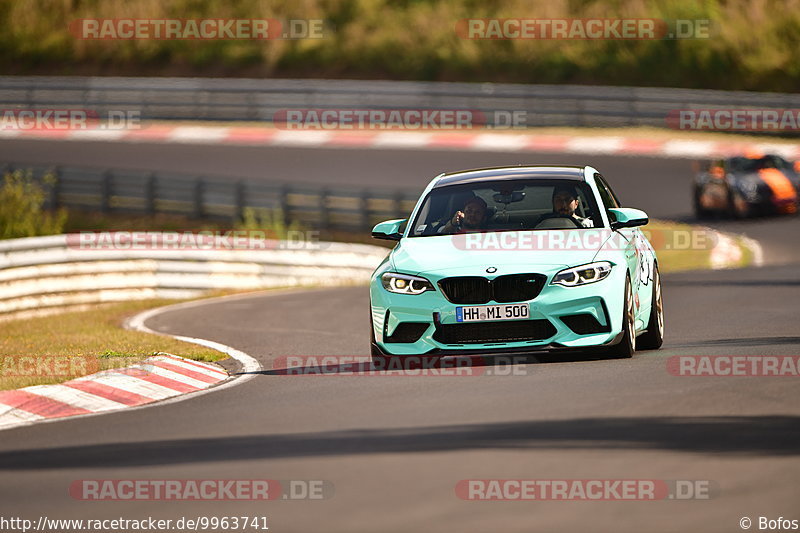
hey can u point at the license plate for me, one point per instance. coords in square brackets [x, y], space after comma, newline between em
[488, 313]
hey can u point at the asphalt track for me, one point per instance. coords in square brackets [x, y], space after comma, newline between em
[395, 447]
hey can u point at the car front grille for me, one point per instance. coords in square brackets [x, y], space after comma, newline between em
[491, 332]
[467, 290]
[502, 289]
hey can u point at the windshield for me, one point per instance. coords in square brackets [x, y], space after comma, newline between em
[507, 205]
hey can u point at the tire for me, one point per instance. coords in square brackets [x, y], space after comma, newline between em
[738, 208]
[653, 338]
[700, 212]
[627, 346]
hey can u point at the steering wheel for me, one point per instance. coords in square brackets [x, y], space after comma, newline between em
[543, 221]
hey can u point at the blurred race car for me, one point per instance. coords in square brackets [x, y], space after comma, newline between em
[742, 186]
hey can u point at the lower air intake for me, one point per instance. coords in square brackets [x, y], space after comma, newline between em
[584, 324]
[407, 332]
[491, 332]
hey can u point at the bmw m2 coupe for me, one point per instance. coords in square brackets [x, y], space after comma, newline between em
[517, 260]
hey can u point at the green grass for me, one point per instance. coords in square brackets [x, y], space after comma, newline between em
[96, 333]
[686, 247]
[21, 207]
[754, 44]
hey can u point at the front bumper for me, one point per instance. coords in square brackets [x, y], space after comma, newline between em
[561, 318]
[767, 204]
[785, 207]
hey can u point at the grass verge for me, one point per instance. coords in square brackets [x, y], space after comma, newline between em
[94, 335]
[682, 247]
[663, 234]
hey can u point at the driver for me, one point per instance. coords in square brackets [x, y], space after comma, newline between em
[565, 203]
[472, 218]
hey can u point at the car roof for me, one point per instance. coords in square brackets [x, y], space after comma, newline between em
[754, 157]
[542, 172]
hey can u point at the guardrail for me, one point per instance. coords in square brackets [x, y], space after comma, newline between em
[126, 191]
[50, 272]
[259, 99]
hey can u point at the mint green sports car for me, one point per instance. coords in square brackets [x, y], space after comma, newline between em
[517, 260]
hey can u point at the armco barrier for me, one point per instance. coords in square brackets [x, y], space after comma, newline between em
[128, 191]
[259, 99]
[39, 272]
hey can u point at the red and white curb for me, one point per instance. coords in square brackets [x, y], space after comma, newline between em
[154, 379]
[415, 140]
[728, 253]
[157, 380]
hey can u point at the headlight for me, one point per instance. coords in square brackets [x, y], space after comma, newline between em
[581, 275]
[405, 284]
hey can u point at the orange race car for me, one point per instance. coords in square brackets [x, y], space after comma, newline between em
[743, 186]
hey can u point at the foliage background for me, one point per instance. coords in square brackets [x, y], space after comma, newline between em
[754, 45]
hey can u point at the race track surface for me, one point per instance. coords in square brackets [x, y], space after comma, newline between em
[395, 447]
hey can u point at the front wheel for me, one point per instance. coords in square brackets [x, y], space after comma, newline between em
[624, 348]
[700, 212]
[653, 338]
[627, 345]
[738, 207]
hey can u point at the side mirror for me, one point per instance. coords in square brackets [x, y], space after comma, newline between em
[625, 217]
[389, 230]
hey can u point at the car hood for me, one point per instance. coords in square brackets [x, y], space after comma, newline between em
[510, 251]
